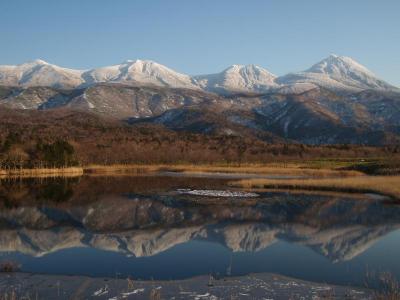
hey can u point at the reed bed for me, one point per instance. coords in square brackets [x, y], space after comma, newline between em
[122, 169]
[271, 169]
[384, 185]
[42, 172]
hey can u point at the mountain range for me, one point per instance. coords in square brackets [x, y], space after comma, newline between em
[335, 101]
[334, 72]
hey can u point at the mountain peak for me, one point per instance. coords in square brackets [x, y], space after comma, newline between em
[145, 72]
[139, 61]
[37, 62]
[234, 67]
[249, 67]
[40, 61]
[39, 73]
[338, 73]
[333, 55]
[339, 65]
[238, 78]
[334, 72]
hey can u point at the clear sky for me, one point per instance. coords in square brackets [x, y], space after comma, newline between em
[203, 36]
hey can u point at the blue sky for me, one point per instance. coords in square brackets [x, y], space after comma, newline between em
[203, 36]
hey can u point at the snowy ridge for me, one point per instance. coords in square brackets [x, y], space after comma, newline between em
[39, 73]
[238, 78]
[141, 72]
[338, 73]
[334, 72]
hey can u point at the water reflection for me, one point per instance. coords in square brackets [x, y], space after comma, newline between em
[100, 224]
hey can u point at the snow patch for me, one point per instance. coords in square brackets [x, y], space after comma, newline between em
[217, 193]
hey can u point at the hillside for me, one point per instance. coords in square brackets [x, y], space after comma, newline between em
[65, 137]
[315, 116]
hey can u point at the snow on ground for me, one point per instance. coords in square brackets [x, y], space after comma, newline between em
[217, 193]
[255, 286]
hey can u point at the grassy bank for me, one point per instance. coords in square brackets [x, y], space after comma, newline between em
[42, 172]
[314, 168]
[372, 166]
[384, 185]
[266, 169]
[121, 169]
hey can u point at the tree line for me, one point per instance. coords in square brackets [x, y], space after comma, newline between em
[15, 154]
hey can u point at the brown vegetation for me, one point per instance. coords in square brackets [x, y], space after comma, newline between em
[42, 172]
[28, 138]
[261, 169]
[384, 185]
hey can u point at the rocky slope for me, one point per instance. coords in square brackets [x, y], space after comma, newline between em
[315, 116]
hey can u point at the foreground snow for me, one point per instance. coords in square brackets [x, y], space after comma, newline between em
[256, 286]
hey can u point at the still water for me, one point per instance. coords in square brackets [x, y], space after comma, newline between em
[148, 227]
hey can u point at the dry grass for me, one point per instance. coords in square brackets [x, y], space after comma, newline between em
[384, 185]
[289, 169]
[267, 169]
[131, 168]
[44, 172]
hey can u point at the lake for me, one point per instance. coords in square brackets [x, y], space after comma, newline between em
[164, 226]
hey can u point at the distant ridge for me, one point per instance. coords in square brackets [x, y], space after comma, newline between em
[334, 72]
[335, 101]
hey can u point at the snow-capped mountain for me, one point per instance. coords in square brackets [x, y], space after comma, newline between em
[238, 78]
[39, 73]
[337, 73]
[139, 72]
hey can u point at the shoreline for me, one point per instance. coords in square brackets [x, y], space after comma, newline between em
[42, 172]
[387, 186]
[294, 169]
[289, 176]
[259, 285]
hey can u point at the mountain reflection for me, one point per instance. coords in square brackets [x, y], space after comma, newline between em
[144, 216]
